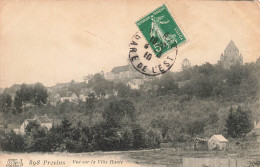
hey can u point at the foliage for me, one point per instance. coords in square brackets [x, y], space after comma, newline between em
[31, 126]
[238, 123]
[119, 111]
[176, 107]
[5, 102]
[196, 127]
[167, 85]
[12, 142]
[36, 95]
[118, 131]
[90, 105]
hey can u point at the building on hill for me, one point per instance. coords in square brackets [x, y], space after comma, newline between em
[126, 74]
[60, 86]
[43, 121]
[71, 97]
[84, 93]
[53, 99]
[13, 127]
[231, 56]
[56, 122]
[218, 142]
[186, 64]
[136, 83]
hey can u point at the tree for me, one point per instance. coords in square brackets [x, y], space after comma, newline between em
[196, 127]
[235, 75]
[167, 85]
[100, 85]
[31, 126]
[18, 103]
[39, 94]
[5, 102]
[12, 142]
[36, 94]
[124, 90]
[230, 123]
[238, 123]
[37, 138]
[118, 111]
[90, 105]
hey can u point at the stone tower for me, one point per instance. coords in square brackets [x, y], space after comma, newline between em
[231, 56]
[186, 64]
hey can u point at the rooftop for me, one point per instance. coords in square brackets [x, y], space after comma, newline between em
[44, 119]
[119, 69]
[220, 138]
[30, 120]
[13, 126]
[231, 46]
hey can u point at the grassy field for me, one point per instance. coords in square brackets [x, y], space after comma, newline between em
[168, 157]
[171, 157]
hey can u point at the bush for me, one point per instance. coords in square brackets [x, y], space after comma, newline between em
[12, 142]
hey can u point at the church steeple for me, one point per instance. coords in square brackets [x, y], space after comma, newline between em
[231, 56]
[231, 47]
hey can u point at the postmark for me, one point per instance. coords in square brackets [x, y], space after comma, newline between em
[145, 61]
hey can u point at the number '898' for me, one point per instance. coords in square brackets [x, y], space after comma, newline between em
[34, 163]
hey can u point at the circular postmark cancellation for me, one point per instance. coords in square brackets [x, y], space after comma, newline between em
[153, 50]
[146, 61]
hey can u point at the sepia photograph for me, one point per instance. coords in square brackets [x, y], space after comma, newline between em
[131, 83]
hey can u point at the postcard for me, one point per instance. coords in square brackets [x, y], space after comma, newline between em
[87, 83]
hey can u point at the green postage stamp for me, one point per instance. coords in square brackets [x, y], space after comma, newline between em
[161, 31]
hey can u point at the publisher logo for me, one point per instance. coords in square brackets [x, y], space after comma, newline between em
[14, 163]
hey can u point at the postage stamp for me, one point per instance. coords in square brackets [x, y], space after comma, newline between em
[161, 31]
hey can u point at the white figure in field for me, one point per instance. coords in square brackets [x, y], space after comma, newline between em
[157, 31]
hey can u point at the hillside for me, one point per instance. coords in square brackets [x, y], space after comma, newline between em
[176, 108]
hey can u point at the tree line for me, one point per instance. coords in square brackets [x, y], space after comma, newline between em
[117, 131]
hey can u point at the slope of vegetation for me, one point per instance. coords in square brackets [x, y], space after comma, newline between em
[197, 102]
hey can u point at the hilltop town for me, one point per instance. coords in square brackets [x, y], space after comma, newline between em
[191, 109]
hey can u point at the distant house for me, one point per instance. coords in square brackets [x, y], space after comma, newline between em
[53, 99]
[84, 93]
[256, 130]
[218, 142]
[13, 127]
[56, 122]
[61, 85]
[43, 121]
[24, 125]
[136, 83]
[71, 97]
[83, 97]
[126, 74]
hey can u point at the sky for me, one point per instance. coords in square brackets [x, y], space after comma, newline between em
[59, 41]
